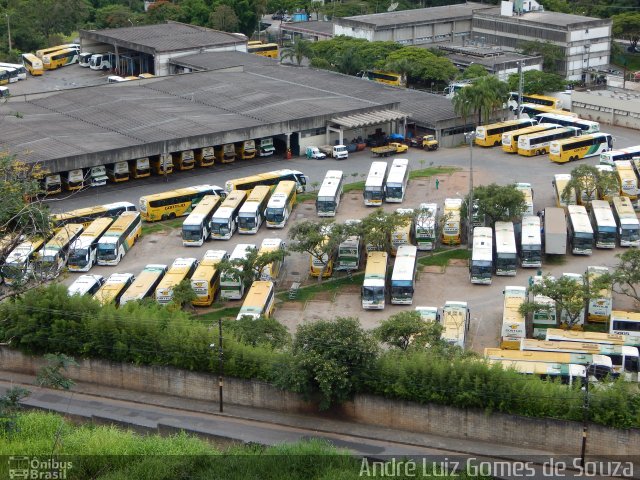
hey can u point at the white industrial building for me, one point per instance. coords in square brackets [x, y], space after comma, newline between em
[615, 107]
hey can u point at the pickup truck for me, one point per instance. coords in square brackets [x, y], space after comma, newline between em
[339, 152]
[428, 142]
[390, 149]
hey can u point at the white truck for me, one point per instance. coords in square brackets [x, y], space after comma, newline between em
[314, 152]
[266, 148]
[339, 152]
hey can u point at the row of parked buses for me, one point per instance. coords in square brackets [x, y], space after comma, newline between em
[384, 183]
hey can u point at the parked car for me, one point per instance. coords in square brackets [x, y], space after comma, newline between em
[277, 16]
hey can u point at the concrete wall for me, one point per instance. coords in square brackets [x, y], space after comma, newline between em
[604, 107]
[551, 435]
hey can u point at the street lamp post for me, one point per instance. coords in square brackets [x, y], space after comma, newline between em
[585, 418]
[8, 30]
[470, 137]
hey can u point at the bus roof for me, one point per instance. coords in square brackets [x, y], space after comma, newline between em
[258, 194]
[377, 174]
[625, 211]
[212, 257]
[181, 264]
[235, 182]
[143, 284]
[120, 225]
[577, 347]
[482, 244]
[256, 297]
[277, 200]
[114, 284]
[241, 251]
[83, 212]
[547, 133]
[564, 117]
[234, 198]
[566, 141]
[505, 237]
[270, 245]
[330, 184]
[541, 368]
[376, 266]
[97, 227]
[398, 170]
[579, 336]
[285, 187]
[404, 267]
[508, 123]
[83, 284]
[579, 218]
[452, 204]
[209, 189]
[23, 250]
[205, 205]
[531, 234]
[63, 236]
[602, 213]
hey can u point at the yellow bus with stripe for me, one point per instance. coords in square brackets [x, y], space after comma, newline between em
[281, 204]
[33, 64]
[267, 178]
[271, 271]
[113, 289]
[510, 139]
[181, 269]
[174, 203]
[145, 284]
[205, 281]
[259, 301]
[264, 49]
[60, 58]
[55, 254]
[491, 135]
[570, 149]
[121, 236]
[46, 51]
[513, 322]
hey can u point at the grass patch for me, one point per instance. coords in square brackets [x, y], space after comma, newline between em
[310, 291]
[351, 187]
[213, 317]
[431, 171]
[596, 327]
[156, 227]
[303, 197]
[442, 258]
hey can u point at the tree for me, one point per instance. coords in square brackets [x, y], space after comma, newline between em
[484, 96]
[421, 65]
[496, 203]
[537, 82]
[161, 11]
[224, 18]
[551, 54]
[319, 239]
[331, 359]
[377, 227]
[113, 16]
[52, 375]
[183, 294]
[627, 25]
[588, 183]
[195, 12]
[9, 408]
[408, 328]
[49, 17]
[297, 51]
[626, 276]
[263, 331]
[473, 71]
[463, 103]
[349, 63]
[250, 267]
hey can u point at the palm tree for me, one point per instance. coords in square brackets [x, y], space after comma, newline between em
[348, 62]
[462, 103]
[297, 51]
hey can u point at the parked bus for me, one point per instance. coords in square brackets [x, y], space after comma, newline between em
[389, 78]
[426, 230]
[205, 156]
[456, 320]
[627, 221]
[161, 164]
[181, 269]
[560, 335]
[53, 257]
[452, 222]
[145, 284]
[259, 301]
[12, 74]
[481, 266]
[585, 126]
[612, 156]
[374, 185]
[510, 139]
[60, 58]
[86, 285]
[33, 64]
[271, 271]
[567, 374]
[403, 235]
[205, 280]
[113, 288]
[321, 263]
[491, 135]
[281, 204]
[4, 80]
[403, 276]
[604, 224]
[139, 168]
[544, 100]
[48, 50]
[268, 178]
[73, 180]
[18, 265]
[580, 230]
[600, 303]
[627, 324]
[253, 212]
[225, 219]
[579, 280]
[21, 71]
[544, 318]
[231, 286]
[264, 50]
[349, 253]
[506, 252]
[527, 192]
[121, 236]
[560, 181]
[531, 110]
[184, 160]
[428, 314]
[196, 228]
[374, 287]
[538, 143]
[118, 172]
[628, 179]
[330, 194]
[531, 242]
[624, 358]
[514, 327]
[87, 215]
[174, 203]
[570, 149]
[395, 187]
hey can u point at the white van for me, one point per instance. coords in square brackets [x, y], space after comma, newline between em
[115, 79]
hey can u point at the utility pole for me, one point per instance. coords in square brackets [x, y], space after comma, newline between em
[220, 361]
[520, 88]
[470, 136]
[8, 30]
[585, 417]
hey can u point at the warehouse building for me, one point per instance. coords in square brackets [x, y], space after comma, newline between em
[495, 60]
[313, 30]
[615, 107]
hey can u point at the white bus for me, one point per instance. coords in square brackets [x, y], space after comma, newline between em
[374, 287]
[21, 71]
[627, 324]
[559, 182]
[452, 223]
[231, 286]
[404, 275]
[86, 285]
[374, 185]
[608, 158]
[586, 126]
[196, 228]
[84, 251]
[205, 280]
[254, 210]
[259, 301]
[506, 253]
[281, 204]
[54, 256]
[481, 266]
[604, 224]
[426, 230]
[527, 191]
[19, 263]
[145, 284]
[396, 185]
[456, 320]
[225, 219]
[121, 236]
[580, 230]
[546, 318]
[568, 373]
[330, 194]
[513, 322]
[627, 221]
[601, 302]
[539, 143]
[181, 269]
[531, 242]
[349, 250]
[271, 271]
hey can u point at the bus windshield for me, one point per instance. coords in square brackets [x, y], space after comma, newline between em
[107, 251]
[191, 232]
[275, 215]
[220, 226]
[79, 257]
[402, 288]
[481, 269]
[326, 205]
[373, 293]
[582, 239]
[246, 222]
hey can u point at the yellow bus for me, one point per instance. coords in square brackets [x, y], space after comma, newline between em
[33, 64]
[118, 240]
[264, 50]
[252, 212]
[559, 182]
[510, 139]
[513, 322]
[196, 228]
[181, 269]
[389, 78]
[374, 286]
[183, 160]
[4, 77]
[600, 305]
[19, 262]
[113, 289]
[319, 261]
[566, 373]
[267, 178]
[405, 233]
[534, 99]
[205, 281]
[51, 259]
[48, 50]
[174, 203]
[271, 271]
[531, 110]
[60, 58]
[628, 179]
[259, 301]
[281, 204]
[145, 284]
[452, 221]
[491, 135]
[161, 164]
[560, 335]
[205, 156]
[87, 215]
[539, 143]
[225, 219]
[569, 149]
